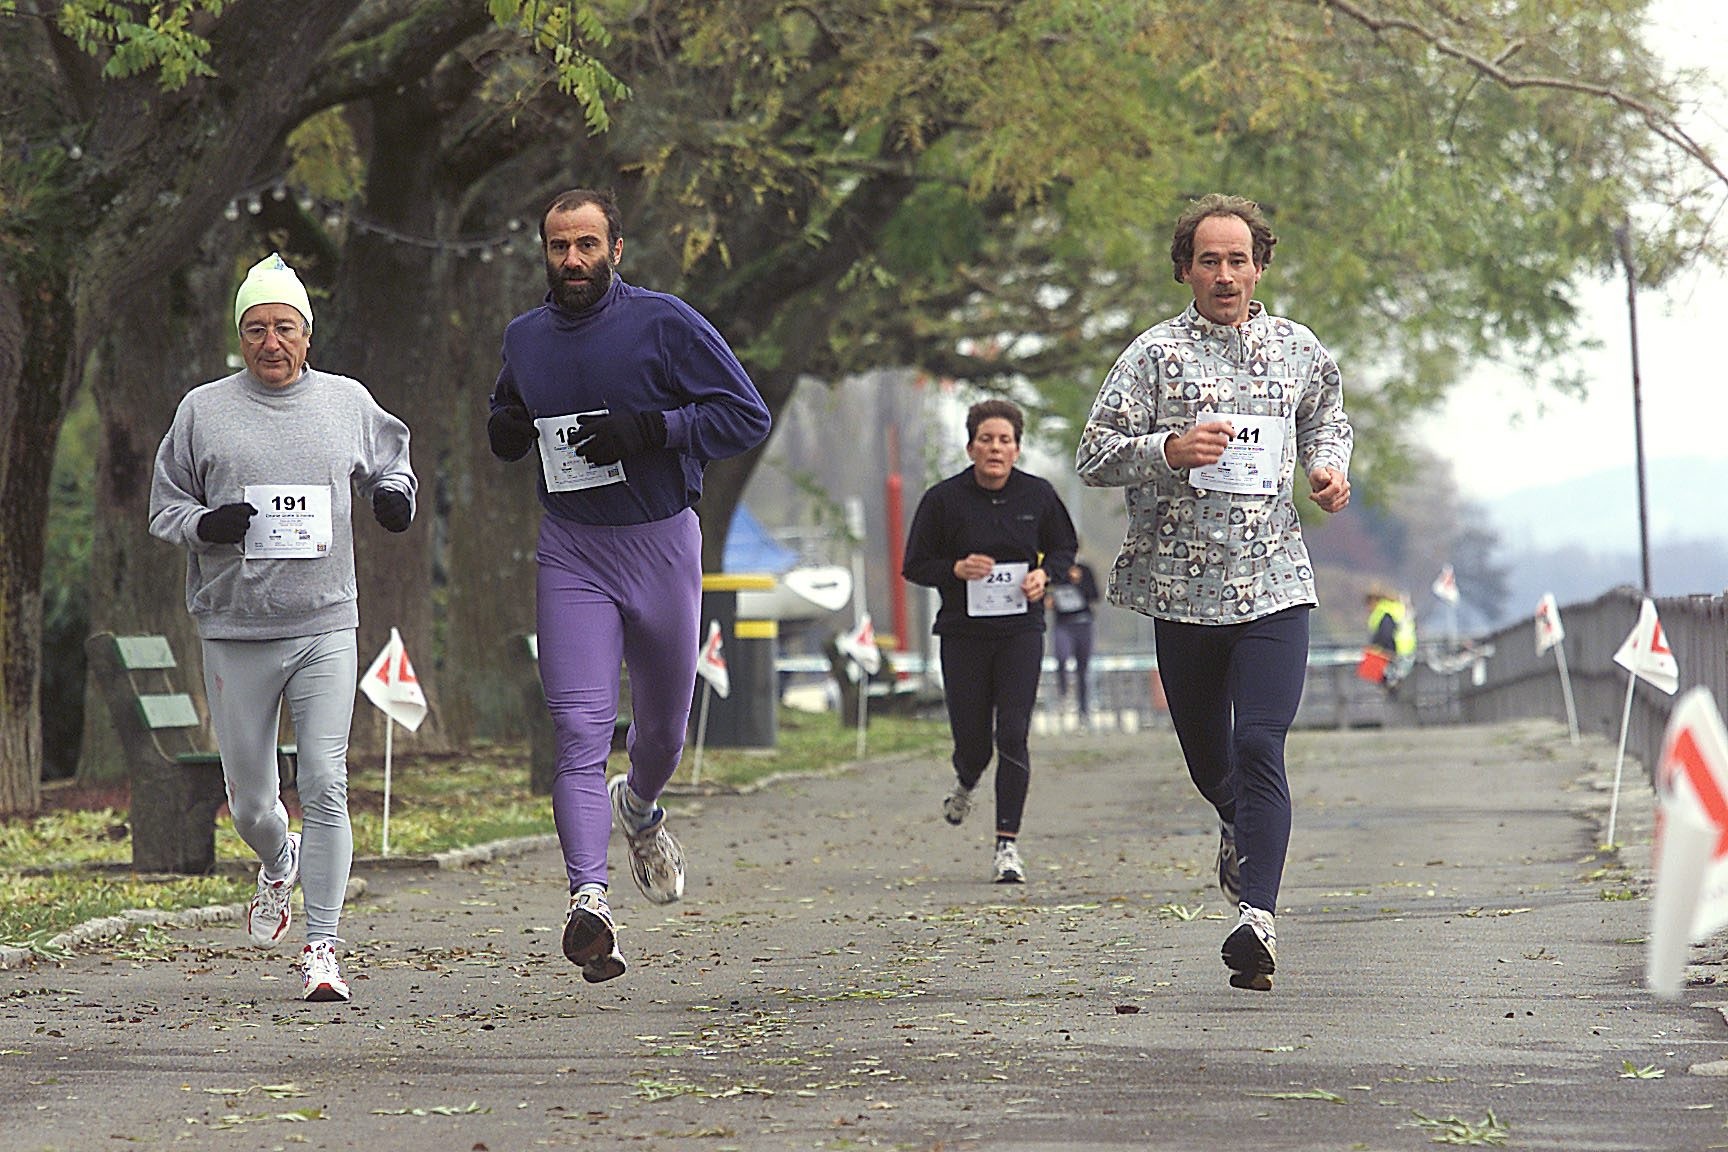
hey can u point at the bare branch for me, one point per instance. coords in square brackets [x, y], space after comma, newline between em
[1660, 122]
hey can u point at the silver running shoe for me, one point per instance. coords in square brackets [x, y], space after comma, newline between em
[1229, 865]
[1009, 869]
[591, 937]
[1251, 951]
[268, 915]
[656, 860]
[956, 804]
[321, 976]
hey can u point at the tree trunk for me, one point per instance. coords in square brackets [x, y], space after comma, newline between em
[35, 336]
[387, 326]
[492, 525]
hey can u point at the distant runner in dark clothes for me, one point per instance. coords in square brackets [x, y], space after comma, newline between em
[1071, 595]
[988, 539]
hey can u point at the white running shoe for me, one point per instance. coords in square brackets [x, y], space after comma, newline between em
[1251, 950]
[956, 804]
[1009, 870]
[268, 915]
[322, 977]
[591, 937]
[656, 860]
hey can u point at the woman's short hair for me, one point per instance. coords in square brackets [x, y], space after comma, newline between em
[994, 410]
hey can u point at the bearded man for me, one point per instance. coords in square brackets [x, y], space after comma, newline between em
[627, 394]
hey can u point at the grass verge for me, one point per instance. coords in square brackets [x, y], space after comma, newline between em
[60, 868]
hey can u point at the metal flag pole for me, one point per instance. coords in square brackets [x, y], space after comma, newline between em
[389, 734]
[701, 732]
[855, 529]
[1620, 757]
[863, 706]
[1566, 691]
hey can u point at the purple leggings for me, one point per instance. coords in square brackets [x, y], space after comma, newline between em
[609, 596]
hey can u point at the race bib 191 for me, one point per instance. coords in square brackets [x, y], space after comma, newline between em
[292, 522]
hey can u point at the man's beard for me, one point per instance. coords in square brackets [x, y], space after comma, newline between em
[576, 297]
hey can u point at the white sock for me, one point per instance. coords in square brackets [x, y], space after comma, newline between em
[279, 870]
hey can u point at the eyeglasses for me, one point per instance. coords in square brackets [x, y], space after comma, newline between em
[286, 332]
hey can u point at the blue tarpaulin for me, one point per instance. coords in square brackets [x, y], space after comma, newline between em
[749, 548]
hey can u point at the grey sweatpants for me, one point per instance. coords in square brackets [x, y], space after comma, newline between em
[246, 682]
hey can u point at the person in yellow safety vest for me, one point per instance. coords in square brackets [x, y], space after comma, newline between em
[1392, 630]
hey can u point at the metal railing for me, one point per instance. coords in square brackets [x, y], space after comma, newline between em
[1514, 682]
[1487, 679]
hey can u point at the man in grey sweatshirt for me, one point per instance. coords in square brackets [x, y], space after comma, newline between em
[256, 480]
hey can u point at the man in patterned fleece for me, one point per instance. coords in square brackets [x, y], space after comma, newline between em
[627, 394]
[1204, 419]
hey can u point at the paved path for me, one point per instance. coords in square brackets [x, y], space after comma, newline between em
[1452, 963]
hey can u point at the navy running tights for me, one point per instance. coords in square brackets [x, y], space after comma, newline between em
[990, 684]
[1233, 691]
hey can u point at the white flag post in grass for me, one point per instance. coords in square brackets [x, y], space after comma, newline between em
[1691, 854]
[391, 684]
[1550, 633]
[859, 646]
[1446, 591]
[711, 667]
[1646, 655]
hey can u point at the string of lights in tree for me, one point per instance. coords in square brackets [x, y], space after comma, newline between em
[336, 214]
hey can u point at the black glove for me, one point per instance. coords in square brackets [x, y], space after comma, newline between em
[227, 524]
[390, 507]
[608, 439]
[511, 431]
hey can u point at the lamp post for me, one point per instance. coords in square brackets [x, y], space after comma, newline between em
[1623, 239]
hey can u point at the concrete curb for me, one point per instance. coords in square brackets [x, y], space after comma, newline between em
[496, 850]
[109, 927]
[814, 774]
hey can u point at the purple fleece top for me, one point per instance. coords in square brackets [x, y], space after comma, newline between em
[634, 351]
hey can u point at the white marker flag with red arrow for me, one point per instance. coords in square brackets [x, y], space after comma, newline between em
[391, 684]
[1691, 849]
[859, 645]
[1645, 653]
[711, 664]
[1549, 630]
[1446, 585]
[1550, 634]
[716, 681]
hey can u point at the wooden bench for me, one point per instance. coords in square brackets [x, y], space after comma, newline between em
[176, 779]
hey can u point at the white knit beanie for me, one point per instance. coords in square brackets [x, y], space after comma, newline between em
[271, 281]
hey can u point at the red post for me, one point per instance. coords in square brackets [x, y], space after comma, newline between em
[896, 560]
[896, 513]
